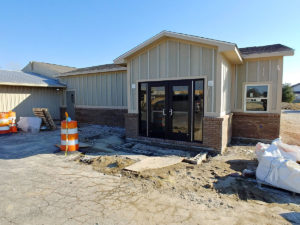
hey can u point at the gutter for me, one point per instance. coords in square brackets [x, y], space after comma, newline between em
[31, 85]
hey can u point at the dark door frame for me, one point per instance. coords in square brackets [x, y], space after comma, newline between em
[168, 84]
[156, 84]
[170, 106]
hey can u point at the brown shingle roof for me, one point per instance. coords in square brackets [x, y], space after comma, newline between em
[265, 49]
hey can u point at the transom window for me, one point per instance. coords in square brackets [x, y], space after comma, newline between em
[256, 98]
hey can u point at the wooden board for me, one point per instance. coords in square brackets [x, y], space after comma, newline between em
[46, 117]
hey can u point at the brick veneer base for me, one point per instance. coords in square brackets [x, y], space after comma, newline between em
[132, 125]
[256, 125]
[103, 116]
[216, 132]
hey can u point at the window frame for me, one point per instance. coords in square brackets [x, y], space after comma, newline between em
[268, 97]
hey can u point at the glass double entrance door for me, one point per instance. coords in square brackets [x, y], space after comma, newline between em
[172, 109]
[169, 112]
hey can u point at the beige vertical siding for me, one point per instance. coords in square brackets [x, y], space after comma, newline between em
[173, 59]
[99, 89]
[23, 99]
[226, 76]
[259, 71]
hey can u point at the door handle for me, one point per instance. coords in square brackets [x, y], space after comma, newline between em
[163, 111]
[171, 112]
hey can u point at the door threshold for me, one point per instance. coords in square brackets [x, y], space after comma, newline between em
[180, 145]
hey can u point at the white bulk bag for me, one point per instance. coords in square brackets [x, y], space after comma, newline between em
[30, 124]
[277, 165]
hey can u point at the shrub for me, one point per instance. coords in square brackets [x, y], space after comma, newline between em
[287, 93]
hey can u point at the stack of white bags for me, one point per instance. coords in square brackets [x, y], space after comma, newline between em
[279, 165]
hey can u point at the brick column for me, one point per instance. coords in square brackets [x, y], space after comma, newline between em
[132, 125]
[212, 132]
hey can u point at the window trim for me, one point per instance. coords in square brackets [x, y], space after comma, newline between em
[245, 97]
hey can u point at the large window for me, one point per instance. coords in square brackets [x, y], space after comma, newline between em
[256, 98]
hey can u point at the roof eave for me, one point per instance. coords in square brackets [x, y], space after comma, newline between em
[233, 56]
[91, 72]
[269, 54]
[32, 85]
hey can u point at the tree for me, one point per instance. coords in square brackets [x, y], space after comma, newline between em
[287, 93]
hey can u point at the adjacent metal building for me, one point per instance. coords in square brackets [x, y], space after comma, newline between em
[20, 92]
[96, 94]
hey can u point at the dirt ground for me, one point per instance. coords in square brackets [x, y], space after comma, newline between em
[290, 106]
[216, 184]
[290, 128]
[39, 185]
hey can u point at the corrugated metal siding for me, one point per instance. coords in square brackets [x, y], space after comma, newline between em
[173, 59]
[260, 71]
[23, 99]
[100, 89]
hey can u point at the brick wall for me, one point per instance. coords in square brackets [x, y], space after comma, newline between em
[212, 132]
[132, 125]
[256, 125]
[103, 116]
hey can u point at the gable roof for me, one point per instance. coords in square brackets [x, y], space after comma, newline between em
[20, 78]
[46, 69]
[95, 69]
[226, 47]
[266, 50]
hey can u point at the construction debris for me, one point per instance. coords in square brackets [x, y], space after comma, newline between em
[198, 159]
[30, 124]
[277, 165]
[46, 117]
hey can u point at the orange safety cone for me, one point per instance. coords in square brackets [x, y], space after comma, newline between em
[69, 135]
[12, 122]
[4, 123]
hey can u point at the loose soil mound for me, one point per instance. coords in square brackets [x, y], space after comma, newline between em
[290, 106]
[112, 165]
[290, 128]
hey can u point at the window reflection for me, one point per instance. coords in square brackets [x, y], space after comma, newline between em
[198, 110]
[143, 108]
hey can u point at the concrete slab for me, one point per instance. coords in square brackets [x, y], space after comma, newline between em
[153, 163]
[137, 157]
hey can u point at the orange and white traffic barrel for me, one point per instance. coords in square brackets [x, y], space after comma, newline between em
[12, 122]
[69, 136]
[4, 123]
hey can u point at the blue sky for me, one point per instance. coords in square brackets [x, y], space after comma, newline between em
[86, 33]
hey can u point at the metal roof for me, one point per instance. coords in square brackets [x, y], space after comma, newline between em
[19, 78]
[95, 69]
